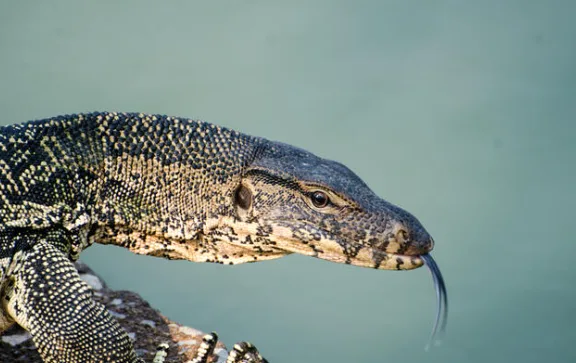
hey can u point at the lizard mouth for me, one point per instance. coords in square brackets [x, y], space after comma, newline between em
[330, 249]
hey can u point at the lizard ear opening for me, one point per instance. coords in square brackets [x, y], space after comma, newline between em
[243, 197]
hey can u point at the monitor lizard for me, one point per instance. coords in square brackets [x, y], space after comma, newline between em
[173, 188]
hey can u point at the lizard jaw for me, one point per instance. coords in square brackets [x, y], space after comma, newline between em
[370, 258]
[328, 247]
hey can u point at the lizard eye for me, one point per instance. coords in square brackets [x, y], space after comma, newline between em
[319, 199]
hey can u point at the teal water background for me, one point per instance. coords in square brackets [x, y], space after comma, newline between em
[462, 112]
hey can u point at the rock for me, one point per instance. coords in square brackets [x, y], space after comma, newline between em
[146, 326]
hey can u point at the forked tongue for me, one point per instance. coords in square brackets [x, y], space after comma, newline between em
[442, 298]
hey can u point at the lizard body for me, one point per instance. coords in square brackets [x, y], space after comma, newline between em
[173, 188]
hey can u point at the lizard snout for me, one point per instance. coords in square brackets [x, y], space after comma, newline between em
[411, 241]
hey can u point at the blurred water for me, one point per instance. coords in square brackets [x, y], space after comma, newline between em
[461, 112]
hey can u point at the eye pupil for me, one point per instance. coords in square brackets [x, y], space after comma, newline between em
[320, 199]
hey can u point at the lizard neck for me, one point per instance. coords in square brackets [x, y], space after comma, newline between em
[163, 178]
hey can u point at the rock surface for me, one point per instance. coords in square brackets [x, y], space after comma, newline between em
[145, 326]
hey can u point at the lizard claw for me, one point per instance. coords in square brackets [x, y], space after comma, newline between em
[206, 350]
[161, 353]
[241, 353]
[245, 352]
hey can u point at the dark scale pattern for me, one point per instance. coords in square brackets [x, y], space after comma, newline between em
[173, 188]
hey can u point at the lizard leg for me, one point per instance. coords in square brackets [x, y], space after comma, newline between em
[47, 297]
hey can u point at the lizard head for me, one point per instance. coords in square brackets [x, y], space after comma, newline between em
[291, 201]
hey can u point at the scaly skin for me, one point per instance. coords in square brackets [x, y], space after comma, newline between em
[173, 188]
